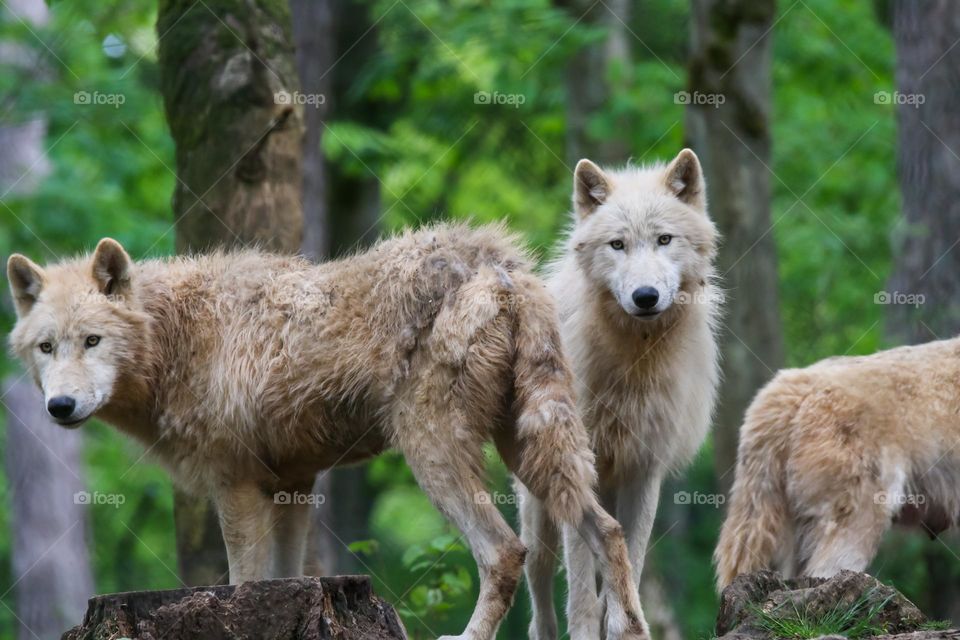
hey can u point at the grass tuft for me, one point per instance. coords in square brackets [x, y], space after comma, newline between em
[855, 621]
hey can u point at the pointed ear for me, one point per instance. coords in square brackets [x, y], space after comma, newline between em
[112, 268]
[26, 280]
[591, 188]
[684, 179]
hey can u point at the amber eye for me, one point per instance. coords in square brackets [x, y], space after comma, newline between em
[92, 341]
[617, 244]
[664, 240]
[46, 347]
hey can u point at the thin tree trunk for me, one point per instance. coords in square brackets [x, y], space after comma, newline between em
[924, 291]
[228, 81]
[587, 78]
[314, 32]
[51, 562]
[43, 462]
[730, 64]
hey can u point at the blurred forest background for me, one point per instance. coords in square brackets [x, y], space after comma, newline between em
[829, 132]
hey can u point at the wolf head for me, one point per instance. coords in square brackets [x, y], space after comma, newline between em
[643, 234]
[77, 328]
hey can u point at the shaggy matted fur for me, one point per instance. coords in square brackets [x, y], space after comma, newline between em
[245, 373]
[634, 284]
[831, 455]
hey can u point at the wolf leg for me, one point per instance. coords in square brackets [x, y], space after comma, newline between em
[246, 520]
[290, 539]
[636, 510]
[849, 544]
[540, 536]
[584, 608]
[451, 476]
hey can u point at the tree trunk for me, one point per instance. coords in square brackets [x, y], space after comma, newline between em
[587, 79]
[51, 563]
[924, 291]
[44, 462]
[344, 607]
[229, 84]
[313, 32]
[730, 64]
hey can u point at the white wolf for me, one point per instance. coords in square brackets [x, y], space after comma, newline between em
[638, 307]
[246, 373]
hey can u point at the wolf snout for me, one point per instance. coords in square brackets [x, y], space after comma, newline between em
[645, 298]
[61, 407]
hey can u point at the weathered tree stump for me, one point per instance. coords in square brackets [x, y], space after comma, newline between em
[337, 608]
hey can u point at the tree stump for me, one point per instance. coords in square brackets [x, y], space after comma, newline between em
[337, 608]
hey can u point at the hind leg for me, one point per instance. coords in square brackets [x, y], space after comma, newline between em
[849, 544]
[450, 473]
[540, 536]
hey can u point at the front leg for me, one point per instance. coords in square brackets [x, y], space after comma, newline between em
[246, 521]
[636, 509]
[292, 520]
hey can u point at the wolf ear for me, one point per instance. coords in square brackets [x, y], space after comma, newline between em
[684, 178]
[26, 281]
[591, 188]
[111, 268]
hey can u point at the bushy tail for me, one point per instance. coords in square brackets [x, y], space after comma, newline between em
[555, 461]
[757, 516]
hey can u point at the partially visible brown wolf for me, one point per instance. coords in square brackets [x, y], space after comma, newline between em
[246, 373]
[833, 454]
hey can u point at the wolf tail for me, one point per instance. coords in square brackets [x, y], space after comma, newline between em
[758, 516]
[554, 459]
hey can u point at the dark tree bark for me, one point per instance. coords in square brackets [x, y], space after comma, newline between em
[227, 78]
[927, 259]
[344, 607]
[924, 290]
[730, 60]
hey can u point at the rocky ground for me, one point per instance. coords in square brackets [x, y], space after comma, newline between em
[764, 606]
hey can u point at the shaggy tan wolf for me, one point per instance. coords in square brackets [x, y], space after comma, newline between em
[634, 285]
[246, 373]
[831, 455]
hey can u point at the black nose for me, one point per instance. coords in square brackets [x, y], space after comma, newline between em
[646, 297]
[61, 406]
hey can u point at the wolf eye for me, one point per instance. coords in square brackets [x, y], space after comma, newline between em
[664, 240]
[617, 244]
[46, 347]
[91, 341]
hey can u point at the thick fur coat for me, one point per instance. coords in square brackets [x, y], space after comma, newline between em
[833, 454]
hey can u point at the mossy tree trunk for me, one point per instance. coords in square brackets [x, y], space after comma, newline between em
[728, 125]
[228, 79]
